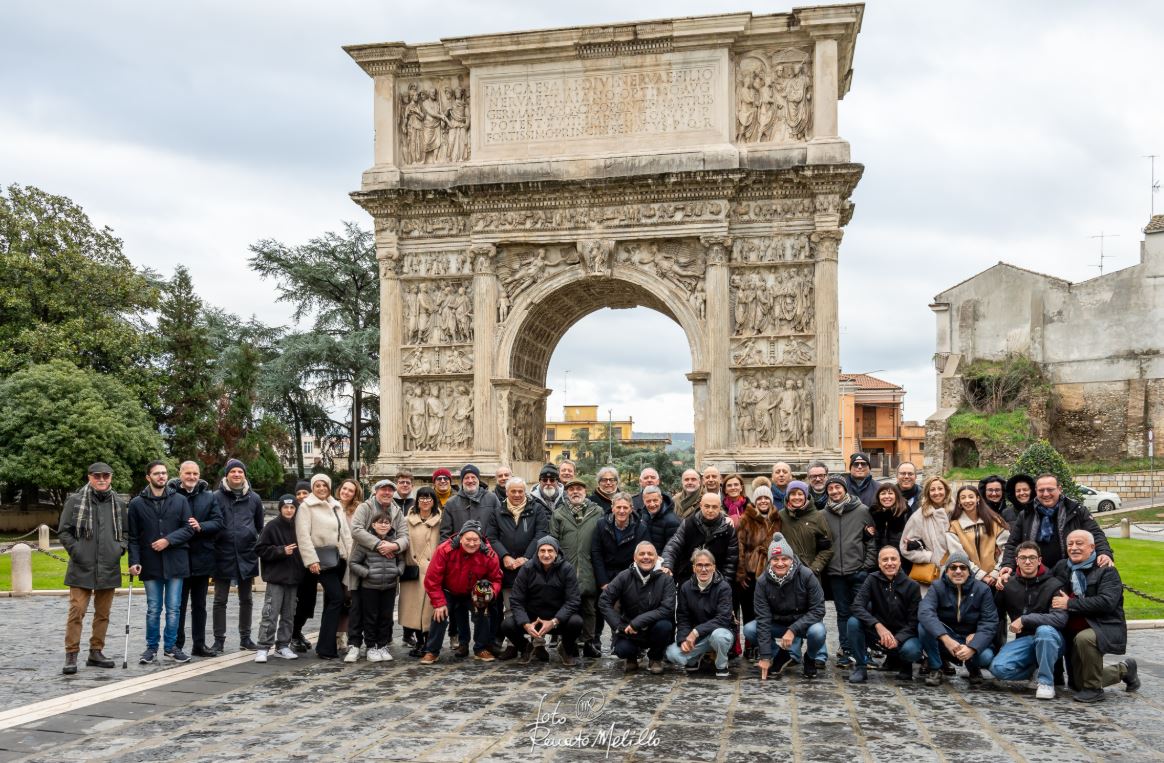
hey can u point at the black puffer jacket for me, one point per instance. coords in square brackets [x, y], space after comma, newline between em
[720, 539]
[640, 604]
[703, 611]
[795, 606]
[866, 490]
[205, 509]
[152, 518]
[1102, 607]
[893, 603]
[662, 525]
[516, 538]
[462, 507]
[967, 611]
[545, 593]
[1030, 599]
[1069, 517]
[279, 567]
[610, 556]
[375, 571]
[235, 557]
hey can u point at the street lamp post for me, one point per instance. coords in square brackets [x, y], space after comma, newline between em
[609, 435]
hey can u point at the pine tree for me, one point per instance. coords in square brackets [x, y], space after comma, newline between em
[188, 391]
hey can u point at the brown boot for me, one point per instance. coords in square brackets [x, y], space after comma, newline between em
[70, 663]
[568, 660]
[98, 660]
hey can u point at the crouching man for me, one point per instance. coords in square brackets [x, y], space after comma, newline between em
[645, 599]
[1038, 644]
[789, 607]
[704, 621]
[545, 600]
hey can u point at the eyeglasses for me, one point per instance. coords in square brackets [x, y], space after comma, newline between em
[816, 477]
[1027, 558]
[958, 568]
[608, 479]
[101, 476]
[703, 566]
[548, 479]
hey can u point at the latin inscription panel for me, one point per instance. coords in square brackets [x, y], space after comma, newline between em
[672, 100]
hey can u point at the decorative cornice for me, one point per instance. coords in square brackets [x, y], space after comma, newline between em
[624, 48]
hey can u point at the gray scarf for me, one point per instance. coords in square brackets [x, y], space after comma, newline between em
[85, 514]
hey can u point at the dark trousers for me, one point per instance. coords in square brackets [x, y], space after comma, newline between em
[194, 597]
[375, 621]
[460, 610]
[844, 588]
[746, 599]
[655, 640]
[333, 602]
[305, 603]
[567, 631]
[245, 605]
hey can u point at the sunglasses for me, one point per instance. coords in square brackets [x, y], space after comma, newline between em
[958, 568]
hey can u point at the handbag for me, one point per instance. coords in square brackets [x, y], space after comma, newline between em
[329, 556]
[411, 572]
[924, 572]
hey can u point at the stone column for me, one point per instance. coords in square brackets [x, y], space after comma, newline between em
[719, 331]
[824, 89]
[826, 434]
[698, 381]
[484, 330]
[391, 399]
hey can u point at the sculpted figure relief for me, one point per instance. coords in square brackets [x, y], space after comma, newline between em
[777, 407]
[434, 122]
[773, 97]
[438, 415]
[437, 313]
[597, 255]
[772, 301]
[421, 361]
[770, 249]
[525, 429]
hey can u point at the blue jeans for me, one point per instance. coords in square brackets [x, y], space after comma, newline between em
[167, 592]
[816, 637]
[844, 588]
[460, 608]
[909, 652]
[983, 654]
[719, 640]
[1019, 658]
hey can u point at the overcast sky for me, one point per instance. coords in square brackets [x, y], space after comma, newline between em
[989, 131]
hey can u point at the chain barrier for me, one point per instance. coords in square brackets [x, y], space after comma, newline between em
[58, 557]
[1143, 529]
[1143, 595]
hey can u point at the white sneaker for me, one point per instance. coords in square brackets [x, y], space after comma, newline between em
[1045, 691]
[385, 655]
[353, 654]
[374, 655]
[261, 655]
[287, 653]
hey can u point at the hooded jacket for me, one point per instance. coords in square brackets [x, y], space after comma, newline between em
[1069, 517]
[205, 509]
[795, 606]
[661, 525]
[1030, 599]
[279, 567]
[1002, 509]
[152, 518]
[518, 538]
[544, 593]
[808, 533]
[1013, 504]
[892, 603]
[94, 562]
[608, 554]
[854, 536]
[966, 610]
[719, 538]
[1102, 607]
[462, 507]
[235, 557]
[575, 533]
[640, 604]
[703, 611]
[456, 572]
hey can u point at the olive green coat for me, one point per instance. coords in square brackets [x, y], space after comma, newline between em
[574, 536]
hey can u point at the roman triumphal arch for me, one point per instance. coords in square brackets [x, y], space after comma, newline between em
[522, 181]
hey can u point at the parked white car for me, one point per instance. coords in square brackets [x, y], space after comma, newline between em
[1099, 500]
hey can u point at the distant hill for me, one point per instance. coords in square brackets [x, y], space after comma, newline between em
[679, 440]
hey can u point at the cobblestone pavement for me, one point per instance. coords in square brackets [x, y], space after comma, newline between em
[466, 710]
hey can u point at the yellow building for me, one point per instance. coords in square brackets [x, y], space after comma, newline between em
[871, 423]
[560, 434]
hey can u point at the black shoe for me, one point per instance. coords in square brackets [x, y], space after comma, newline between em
[148, 656]
[591, 651]
[510, 652]
[245, 644]
[299, 643]
[905, 672]
[934, 678]
[99, 660]
[782, 660]
[844, 660]
[1131, 677]
[859, 675]
[1089, 695]
[177, 655]
[948, 669]
[540, 652]
[809, 669]
[218, 646]
[200, 650]
[416, 651]
[410, 639]
[462, 651]
[974, 675]
[821, 664]
[923, 670]
[70, 663]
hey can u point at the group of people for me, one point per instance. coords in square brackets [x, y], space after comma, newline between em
[698, 577]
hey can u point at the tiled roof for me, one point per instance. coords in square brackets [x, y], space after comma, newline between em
[1155, 225]
[865, 381]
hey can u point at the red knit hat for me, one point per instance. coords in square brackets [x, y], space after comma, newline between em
[442, 472]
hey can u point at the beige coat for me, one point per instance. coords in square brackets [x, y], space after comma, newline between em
[321, 523]
[423, 538]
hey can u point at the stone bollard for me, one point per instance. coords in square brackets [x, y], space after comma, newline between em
[1125, 528]
[42, 537]
[21, 569]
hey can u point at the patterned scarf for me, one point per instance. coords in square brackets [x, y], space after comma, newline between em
[1046, 522]
[85, 514]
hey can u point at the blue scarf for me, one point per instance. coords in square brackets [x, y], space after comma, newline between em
[1078, 578]
[1046, 522]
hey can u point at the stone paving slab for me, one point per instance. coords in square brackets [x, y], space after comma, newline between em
[467, 710]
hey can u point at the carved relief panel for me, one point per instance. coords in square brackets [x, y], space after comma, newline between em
[773, 351]
[433, 125]
[774, 408]
[423, 361]
[772, 210]
[773, 300]
[437, 312]
[437, 264]
[606, 216]
[677, 261]
[438, 415]
[526, 419]
[773, 96]
[772, 249]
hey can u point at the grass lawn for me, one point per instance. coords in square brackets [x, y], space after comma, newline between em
[47, 573]
[1141, 565]
[1142, 516]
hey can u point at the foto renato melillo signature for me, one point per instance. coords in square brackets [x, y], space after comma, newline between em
[548, 728]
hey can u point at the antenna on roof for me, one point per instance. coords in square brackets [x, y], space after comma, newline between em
[1155, 183]
[1103, 256]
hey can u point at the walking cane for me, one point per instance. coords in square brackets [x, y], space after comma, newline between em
[128, 611]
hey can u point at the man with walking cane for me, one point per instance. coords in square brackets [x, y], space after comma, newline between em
[93, 530]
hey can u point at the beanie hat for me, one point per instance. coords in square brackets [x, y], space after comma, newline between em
[470, 526]
[321, 477]
[470, 469]
[858, 458]
[957, 556]
[302, 485]
[798, 485]
[836, 479]
[780, 547]
[549, 470]
[762, 492]
[286, 500]
[234, 463]
[442, 472]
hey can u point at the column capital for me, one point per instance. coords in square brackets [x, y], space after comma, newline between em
[717, 248]
[483, 256]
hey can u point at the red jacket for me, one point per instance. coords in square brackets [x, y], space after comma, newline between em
[452, 570]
